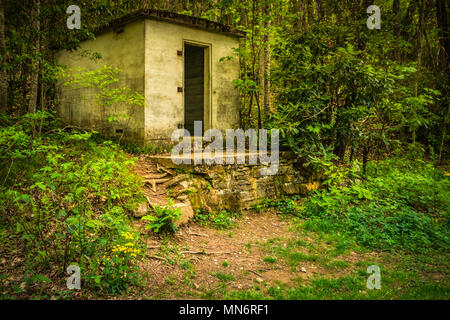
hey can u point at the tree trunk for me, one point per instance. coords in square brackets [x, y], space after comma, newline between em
[365, 158]
[267, 63]
[396, 11]
[261, 70]
[310, 10]
[442, 23]
[243, 62]
[35, 72]
[3, 74]
[444, 41]
[339, 147]
[419, 61]
[319, 6]
[297, 7]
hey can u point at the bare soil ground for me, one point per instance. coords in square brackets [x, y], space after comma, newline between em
[189, 264]
[207, 249]
[199, 261]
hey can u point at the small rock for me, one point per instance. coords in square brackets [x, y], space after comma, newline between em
[303, 269]
[187, 213]
[184, 184]
[259, 280]
[141, 210]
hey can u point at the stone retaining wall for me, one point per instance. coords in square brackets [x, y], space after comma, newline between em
[239, 187]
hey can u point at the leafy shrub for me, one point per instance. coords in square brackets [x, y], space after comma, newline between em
[224, 276]
[63, 201]
[163, 220]
[118, 268]
[400, 205]
[221, 220]
[270, 259]
[324, 88]
[285, 206]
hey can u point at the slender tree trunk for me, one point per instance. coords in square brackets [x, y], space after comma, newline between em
[410, 11]
[319, 6]
[267, 71]
[444, 41]
[261, 53]
[419, 61]
[254, 34]
[365, 158]
[261, 69]
[297, 8]
[339, 147]
[310, 10]
[35, 72]
[266, 62]
[396, 31]
[243, 62]
[351, 154]
[444, 48]
[3, 74]
[396, 11]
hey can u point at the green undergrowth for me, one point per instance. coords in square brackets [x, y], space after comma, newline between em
[221, 220]
[286, 206]
[398, 212]
[402, 276]
[164, 219]
[65, 199]
[400, 205]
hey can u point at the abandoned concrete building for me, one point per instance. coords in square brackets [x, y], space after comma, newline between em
[180, 64]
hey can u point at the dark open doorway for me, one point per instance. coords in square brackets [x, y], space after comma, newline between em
[194, 86]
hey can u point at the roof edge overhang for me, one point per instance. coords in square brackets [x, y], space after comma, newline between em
[194, 22]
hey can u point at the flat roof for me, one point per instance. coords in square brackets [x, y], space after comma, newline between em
[170, 17]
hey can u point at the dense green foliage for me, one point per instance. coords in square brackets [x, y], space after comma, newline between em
[366, 109]
[163, 220]
[402, 205]
[334, 99]
[311, 68]
[64, 199]
[221, 220]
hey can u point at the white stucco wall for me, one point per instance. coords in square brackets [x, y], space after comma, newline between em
[164, 72]
[122, 50]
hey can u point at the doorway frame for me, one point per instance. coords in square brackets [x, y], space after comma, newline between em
[207, 69]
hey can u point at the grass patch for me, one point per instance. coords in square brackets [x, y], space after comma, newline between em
[338, 264]
[222, 220]
[270, 259]
[224, 277]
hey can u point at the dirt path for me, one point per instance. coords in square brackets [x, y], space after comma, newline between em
[199, 261]
[201, 252]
